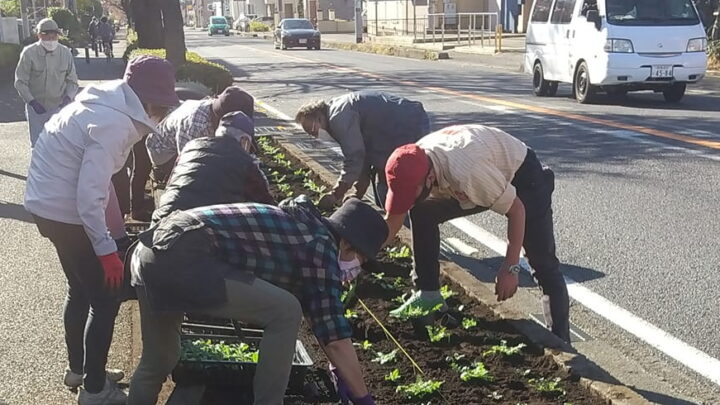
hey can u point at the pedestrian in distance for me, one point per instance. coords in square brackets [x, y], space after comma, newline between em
[45, 77]
[464, 170]
[261, 265]
[217, 170]
[67, 193]
[93, 32]
[193, 119]
[107, 34]
[368, 125]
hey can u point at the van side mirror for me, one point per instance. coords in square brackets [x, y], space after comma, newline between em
[593, 16]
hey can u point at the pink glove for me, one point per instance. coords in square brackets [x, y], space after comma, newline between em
[113, 269]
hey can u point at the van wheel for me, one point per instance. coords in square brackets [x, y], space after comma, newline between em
[542, 87]
[675, 92]
[582, 88]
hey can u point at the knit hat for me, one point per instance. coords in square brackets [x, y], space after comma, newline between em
[360, 225]
[153, 80]
[234, 99]
[235, 122]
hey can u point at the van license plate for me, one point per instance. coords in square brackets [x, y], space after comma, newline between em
[662, 71]
[303, 41]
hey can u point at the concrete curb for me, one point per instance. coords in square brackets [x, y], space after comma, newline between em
[367, 47]
[578, 366]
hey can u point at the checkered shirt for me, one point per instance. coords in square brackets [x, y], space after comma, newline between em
[294, 251]
[192, 120]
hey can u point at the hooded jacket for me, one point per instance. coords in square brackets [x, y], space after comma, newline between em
[80, 148]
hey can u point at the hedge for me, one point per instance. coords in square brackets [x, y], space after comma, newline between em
[714, 54]
[9, 55]
[257, 26]
[131, 43]
[197, 69]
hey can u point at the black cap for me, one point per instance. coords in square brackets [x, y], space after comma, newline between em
[360, 225]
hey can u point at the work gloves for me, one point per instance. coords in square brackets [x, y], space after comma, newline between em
[344, 392]
[39, 109]
[113, 269]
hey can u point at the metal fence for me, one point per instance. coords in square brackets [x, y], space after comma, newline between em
[458, 28]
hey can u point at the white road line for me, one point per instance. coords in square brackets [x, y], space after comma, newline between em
[698, 361]
[461, 247]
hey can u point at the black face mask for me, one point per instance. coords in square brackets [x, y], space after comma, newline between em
[424, 194]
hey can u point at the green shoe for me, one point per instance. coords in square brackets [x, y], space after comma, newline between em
[419, 305]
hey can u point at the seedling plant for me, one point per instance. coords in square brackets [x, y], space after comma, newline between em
[385, 358]
[394, 376]
[504, 349]
[208, 350]
[550, 387]
[419, 390]
[438, 333]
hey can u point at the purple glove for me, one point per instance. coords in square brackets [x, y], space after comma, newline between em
[340, 386]
[366, 400]
[65, 101]
[39, 109]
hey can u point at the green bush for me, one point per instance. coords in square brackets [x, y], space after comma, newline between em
[257, 26]
[66, 20]
[9, 55]
[10, 8]
[131, 41]
[196, 68]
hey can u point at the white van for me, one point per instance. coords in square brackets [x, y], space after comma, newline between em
[615, 46]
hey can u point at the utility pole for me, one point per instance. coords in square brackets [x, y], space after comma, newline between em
[358, 22]
[24, 17]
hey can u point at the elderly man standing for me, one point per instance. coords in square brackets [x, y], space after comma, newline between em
[45, 77]
[368, 125]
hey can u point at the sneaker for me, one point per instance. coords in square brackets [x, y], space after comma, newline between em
[420, 301]
[110, 395]
[74, 380]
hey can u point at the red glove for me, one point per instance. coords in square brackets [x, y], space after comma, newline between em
[113, 269]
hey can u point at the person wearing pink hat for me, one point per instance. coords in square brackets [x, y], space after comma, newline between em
[67, 193]
[464, 170]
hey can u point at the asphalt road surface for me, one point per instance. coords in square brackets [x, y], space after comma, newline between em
[636, 181]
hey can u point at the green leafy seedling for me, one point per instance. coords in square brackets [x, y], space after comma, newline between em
[469, 323]
[365, 345]
[384, 358]
[548, 387]
[437, 333]
[351, 314]
[400, 299]
[207, 350]
[399, 252]
[420, 389]
[495, 395]
[413, 312]
[454, 361]
[504, 349]
[393, 376]
[446, 292]
[476, 372]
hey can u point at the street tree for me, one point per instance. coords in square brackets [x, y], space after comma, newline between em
[10, 8]
[159, 24]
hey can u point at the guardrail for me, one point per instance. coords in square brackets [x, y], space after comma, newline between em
[443, 28]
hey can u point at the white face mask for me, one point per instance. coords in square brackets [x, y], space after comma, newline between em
[49, 45]
[349, 270]
[324, 135]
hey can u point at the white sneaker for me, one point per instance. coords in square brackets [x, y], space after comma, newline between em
[110, 395]
[73, 380]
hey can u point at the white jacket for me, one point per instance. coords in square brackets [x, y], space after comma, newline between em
[77, 153]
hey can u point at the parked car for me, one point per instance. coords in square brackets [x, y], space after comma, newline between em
[615, 46]
[218, 25]
[296, 32]
[243, 21]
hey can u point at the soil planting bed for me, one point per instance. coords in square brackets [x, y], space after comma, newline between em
[526, 376]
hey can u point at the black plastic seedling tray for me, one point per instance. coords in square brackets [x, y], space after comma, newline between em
[233, 373]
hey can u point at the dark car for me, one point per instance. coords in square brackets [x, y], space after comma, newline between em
[296, 32]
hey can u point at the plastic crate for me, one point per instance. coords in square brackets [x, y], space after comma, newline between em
[236, 374]
[134, 228]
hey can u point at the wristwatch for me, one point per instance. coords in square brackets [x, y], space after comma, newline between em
[515, 269]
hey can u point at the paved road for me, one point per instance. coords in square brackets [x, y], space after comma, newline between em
[636, 182]
[32, 285]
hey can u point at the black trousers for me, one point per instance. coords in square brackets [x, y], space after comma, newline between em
[90, 309]
[130, 189]
[535, 186]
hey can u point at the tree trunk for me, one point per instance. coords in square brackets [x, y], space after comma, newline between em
[174, 35]
[148, 23]
[715, 33]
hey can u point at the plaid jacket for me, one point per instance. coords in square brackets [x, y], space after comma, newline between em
[192, 120]
[290, 248]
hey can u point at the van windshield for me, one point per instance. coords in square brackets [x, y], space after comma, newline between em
[219, 21]
[651, 12]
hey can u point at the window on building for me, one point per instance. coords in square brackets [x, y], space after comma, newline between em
[563, 11]
[541, 12]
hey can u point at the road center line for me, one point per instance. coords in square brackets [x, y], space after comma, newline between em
[712, 144]
[696, 360]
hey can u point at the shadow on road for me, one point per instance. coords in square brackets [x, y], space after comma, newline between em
[15, 211]
[662, 399]
[12, 108]
[13, 175]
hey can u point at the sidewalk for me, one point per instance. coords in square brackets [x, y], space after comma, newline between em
[32, 284]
